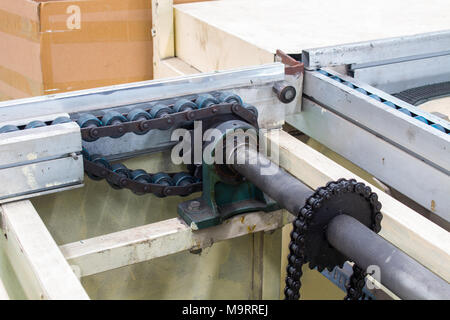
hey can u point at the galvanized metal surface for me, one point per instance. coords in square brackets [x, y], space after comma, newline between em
[39, 266]
[138, 92]
[378, 52]
[41, 159]
[396, 77]
[413, 177]
[253, 85]
[143, 243]
[393, 126]
[39, 144]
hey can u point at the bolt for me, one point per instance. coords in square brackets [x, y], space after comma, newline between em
[190, 115]
[93, 133]
[194, 205]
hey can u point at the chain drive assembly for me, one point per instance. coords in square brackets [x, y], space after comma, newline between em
[160, 184]
[308, 239]
[208, 108]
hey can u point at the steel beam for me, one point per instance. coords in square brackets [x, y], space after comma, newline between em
[400, 76]
[401, 130]
[37, 261]
[411, 176]
[37, 160]
[253, 84]
[378, 52]
[160, 239]
[138, 92]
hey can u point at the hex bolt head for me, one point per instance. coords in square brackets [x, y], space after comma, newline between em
[93, 132]
[194, 205]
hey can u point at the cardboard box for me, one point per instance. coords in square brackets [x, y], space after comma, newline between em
[54, 46]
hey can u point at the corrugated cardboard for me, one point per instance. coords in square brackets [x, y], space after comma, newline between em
[54, 46]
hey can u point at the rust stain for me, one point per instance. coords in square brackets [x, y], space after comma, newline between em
[250, 229]
[242, 219]
[433, 205]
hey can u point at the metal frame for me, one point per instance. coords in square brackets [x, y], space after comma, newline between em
[254, 84]
[45, 270]
[379, 52]
[138, 92]
[119, 249]
[399, 76]
[427, 186]
[398, 149]
[45, 170]
[160, 239]
[39, 265]
[63, 144]
[38, 170]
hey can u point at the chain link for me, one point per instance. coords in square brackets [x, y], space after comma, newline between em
[356, 284]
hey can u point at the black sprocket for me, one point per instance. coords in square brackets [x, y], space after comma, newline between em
[308, 237]
[342, 197]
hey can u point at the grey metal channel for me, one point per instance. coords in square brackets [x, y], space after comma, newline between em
[381, 51]
[413, 130]
[138, 92]
[253, 84]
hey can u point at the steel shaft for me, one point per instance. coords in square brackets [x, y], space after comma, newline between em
[271, 179]
[401, 274]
